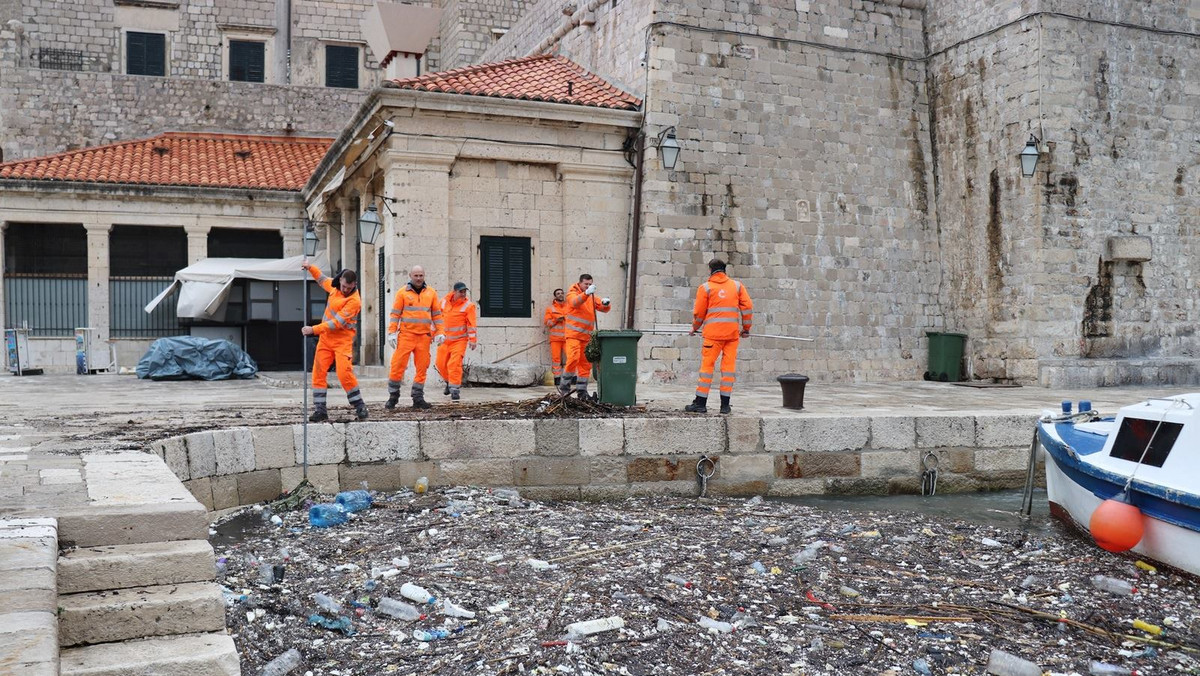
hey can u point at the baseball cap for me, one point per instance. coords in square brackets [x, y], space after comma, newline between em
[459, 286]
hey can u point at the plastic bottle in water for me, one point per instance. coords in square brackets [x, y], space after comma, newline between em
[1112, 585]
[1001, 663]
[422, 485]
[283, 664]
[327, 603]
[411, 591]
[326, 515]
[354, 501]
[399, 609]
[589, 627]
[1103, 669]
[454, 610]
[430, 635]
[722, 627]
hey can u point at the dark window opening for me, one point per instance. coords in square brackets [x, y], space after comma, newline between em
[146, 251]
[247, 61]
[45, 277]
[45, 249]
[145, 54]
[1135, 434]
[341, 66]
[504, 271]
[240, 243]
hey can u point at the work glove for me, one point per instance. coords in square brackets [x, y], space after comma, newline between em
[473, 346]
[439, 339]
[304, 263]
[604, 302]
[590, 290]
[392, 338]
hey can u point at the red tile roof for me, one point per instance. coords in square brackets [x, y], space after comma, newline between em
[534, 78]
[183, 159]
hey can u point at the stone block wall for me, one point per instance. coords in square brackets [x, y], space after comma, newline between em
[1028, 273]
[608, 458]
[45, 111]
[470, 27]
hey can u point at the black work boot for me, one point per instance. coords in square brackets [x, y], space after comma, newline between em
[557, 382]
[698, 405]
[446, 389]
[393, 399]
[419, 402]
[725, 405]
[319, 414]
[361, 411]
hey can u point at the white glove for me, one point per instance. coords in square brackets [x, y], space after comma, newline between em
[590, 290]
[391, 340]
[604, 302]
[439, 339]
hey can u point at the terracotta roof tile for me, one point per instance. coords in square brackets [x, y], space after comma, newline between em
[183, 159]
[555, 79]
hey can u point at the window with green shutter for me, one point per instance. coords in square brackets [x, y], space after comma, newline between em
[505, 275]
[247, 61]
[145, 54]
[341, 66]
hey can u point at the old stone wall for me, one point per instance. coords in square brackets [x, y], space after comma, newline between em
[806, 164]
[470, 27]
[1087, 258]
[50, 110]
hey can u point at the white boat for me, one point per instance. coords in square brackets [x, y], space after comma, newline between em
[1153, 448]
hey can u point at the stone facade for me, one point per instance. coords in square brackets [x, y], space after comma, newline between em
[856, 162]
[470, 27]
[48, 110]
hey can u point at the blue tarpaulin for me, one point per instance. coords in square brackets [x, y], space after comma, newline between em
[184, 357]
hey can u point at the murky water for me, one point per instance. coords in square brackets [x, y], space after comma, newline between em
[994, 508]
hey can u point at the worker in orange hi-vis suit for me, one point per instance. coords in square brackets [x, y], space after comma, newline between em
[554, 320]
[582, 307]
[724, 309]
[461, 321]
[336, 344]
[416, 320]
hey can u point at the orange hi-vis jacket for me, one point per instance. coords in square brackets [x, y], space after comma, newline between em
[723, 307]
[460, 319]
[340, 321]
[416, 313]
[581, 312]
[555, 312]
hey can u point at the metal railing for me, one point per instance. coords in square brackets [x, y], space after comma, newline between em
[48, 305]
[60, 59]
[126, 298]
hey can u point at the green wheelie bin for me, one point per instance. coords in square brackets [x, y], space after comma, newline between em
[945, 356]
[616, 371]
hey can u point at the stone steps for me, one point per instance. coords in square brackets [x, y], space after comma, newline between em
[164, 610]
[140, 565]
[189, 655]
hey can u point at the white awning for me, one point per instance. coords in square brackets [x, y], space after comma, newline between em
[204, 286]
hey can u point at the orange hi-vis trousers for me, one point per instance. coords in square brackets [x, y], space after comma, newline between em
[450, 361]
[416, 345]
[727, 351]
[557, 350]
[340, 357]
[579, 369]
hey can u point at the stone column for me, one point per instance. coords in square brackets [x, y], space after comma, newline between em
[293, 242]
[419, 233]
[197, 236]
[97, 271]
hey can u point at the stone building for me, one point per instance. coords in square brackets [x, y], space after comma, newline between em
[857, 163]
[89, 237]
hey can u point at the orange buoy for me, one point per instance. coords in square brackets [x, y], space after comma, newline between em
[1117, 525]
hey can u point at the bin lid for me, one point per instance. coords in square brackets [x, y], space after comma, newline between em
[931, 334]
[619, 333]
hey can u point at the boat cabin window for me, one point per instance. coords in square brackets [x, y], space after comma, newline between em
[1136, 433]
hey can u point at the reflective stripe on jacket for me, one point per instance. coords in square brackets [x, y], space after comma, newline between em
[340, 320]
[416, 312]
[555, 312]
[460, 319]
[722, 307]
[581, 312]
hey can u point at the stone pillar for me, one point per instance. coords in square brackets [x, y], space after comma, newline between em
[595, 234]
[293, 240]
[419, 233]
[197, 236]
[97, 271]
[3, 310]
